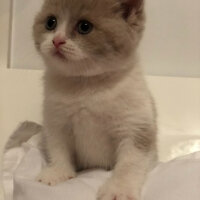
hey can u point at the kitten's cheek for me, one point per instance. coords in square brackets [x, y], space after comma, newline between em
[45, 51]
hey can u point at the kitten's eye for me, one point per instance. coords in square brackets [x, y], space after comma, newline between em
[84, 27]
[51, 23]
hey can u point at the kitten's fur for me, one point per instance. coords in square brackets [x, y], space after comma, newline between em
[98, 111]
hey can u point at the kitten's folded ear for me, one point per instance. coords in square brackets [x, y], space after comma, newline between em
[129, 7]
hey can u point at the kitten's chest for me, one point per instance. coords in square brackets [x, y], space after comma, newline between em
[93, 144]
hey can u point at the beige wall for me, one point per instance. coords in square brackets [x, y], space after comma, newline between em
[172, 44]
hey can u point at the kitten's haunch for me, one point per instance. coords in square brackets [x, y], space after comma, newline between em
[98, 111]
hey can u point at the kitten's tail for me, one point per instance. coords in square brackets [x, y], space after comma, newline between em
[23, 133]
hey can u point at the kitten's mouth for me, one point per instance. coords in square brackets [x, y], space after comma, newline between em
[59, 54]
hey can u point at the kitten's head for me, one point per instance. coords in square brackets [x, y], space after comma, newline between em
[88, 37]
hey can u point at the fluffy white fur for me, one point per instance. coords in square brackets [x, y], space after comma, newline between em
[98, 129]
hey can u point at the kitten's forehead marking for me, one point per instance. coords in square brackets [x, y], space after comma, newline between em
[62, 27]
[61, 30]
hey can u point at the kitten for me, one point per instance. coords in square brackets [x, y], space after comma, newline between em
[98, 111]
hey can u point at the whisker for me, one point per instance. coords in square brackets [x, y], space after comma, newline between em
[72, 54]
[68, 48]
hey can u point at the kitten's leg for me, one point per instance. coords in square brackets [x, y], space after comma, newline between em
[59, 148]
[129, 173]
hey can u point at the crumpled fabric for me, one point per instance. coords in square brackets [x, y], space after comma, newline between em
[178, 179]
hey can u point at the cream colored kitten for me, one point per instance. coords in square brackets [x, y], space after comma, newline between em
[98, 111]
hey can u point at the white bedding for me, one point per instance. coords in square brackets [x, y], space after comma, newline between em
[176, 180]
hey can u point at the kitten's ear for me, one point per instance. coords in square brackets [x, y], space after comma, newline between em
[131, 6]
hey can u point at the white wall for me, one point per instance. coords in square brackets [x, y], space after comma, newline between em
[23, 53]
[172, 41]
[171, 45]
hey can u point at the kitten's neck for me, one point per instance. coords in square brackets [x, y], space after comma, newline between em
[79, 84]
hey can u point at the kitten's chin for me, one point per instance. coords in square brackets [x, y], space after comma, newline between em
[61, 57]
[60, 64]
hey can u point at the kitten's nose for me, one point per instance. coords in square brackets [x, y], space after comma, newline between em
[58, 41]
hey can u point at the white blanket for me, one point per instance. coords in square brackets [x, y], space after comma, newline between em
[176, 180]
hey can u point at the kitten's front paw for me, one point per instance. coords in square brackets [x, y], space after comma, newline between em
[113, 191]
[55, 175]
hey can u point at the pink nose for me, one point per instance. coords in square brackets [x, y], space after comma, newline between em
[58, 41]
